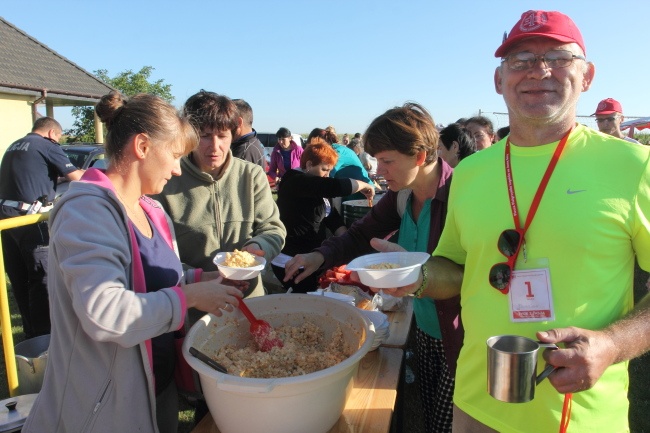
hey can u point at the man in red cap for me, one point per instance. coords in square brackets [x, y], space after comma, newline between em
[609, 116]
[550, 256]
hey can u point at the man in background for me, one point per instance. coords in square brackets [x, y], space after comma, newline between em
[28, 178]
[245, 144]
[609, 116]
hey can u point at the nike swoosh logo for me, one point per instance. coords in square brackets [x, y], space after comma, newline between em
[574, 191]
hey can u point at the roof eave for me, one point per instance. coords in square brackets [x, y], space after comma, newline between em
[58, 97]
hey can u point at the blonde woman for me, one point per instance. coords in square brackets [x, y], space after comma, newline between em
[117, 289]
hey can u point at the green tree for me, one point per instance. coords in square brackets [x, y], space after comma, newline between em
[129, 83]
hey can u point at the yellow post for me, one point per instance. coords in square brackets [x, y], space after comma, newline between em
[5, 315]
[99, 129]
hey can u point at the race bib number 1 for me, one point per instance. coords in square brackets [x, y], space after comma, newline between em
[530, 296]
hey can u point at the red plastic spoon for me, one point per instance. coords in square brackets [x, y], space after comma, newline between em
[262, 332]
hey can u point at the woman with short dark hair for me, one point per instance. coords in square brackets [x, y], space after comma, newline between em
[285, 154]
[455, 144]
[405, 142]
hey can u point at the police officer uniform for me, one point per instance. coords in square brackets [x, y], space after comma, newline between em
[29, 170]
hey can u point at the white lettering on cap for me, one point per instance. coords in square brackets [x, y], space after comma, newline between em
[533, 21]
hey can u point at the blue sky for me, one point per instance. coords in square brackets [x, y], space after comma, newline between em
[305, 64]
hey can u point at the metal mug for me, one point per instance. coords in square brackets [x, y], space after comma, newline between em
[512, 367]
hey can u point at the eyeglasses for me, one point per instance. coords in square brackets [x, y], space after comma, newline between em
[606, 119]
[509, 244]
[553, 59]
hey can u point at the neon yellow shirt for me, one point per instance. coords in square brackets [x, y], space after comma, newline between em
[591, 220]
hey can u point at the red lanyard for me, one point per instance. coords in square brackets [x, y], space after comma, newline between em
[566, 407]
[540, 190]
[566, 412]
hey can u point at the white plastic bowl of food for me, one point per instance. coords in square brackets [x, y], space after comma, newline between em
[311, 402]
[238, 273]
[406, 271]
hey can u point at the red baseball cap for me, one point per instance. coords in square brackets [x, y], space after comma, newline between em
[608, 106]
[547, 24]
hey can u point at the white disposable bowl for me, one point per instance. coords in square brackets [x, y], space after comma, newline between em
[310, 403]
[238, 273]
[382, 326]
[348, 299]
[376, 317]
[407, 273]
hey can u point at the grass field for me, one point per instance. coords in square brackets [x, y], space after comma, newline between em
[408, 404]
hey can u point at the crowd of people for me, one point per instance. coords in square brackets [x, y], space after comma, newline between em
[551, 260]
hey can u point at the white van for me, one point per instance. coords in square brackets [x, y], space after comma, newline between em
[269, 139]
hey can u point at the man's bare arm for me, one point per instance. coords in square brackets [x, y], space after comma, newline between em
[74, 175]
[631, 334]
[587, 354]
[444, 278]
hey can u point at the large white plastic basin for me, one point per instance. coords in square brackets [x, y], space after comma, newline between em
[311, 403]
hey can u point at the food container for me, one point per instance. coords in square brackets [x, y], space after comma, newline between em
[406, 273]
[31, 360]
[309, 403]
[348, 299]
[14, 411]
[238, 273]
[356, 209]
[381, 324]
